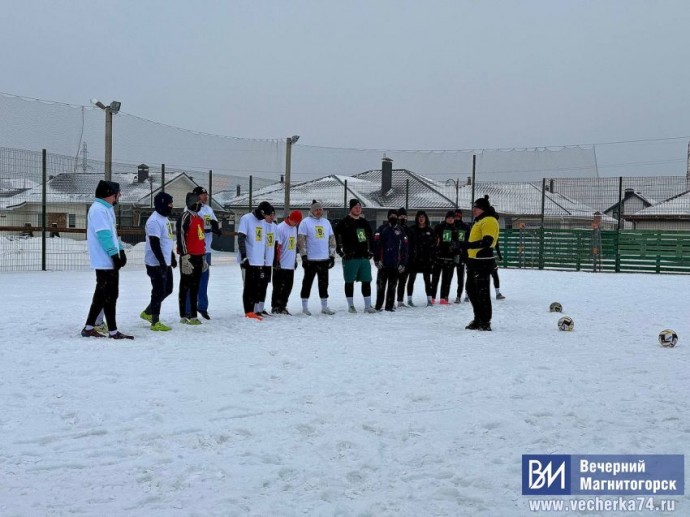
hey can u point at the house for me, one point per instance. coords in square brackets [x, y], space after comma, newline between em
[671, 214]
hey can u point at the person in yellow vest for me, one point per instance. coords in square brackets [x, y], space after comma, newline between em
[480, 262]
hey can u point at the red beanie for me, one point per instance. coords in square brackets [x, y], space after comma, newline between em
[295, 216]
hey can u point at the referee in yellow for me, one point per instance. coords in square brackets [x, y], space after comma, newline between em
[480, 245]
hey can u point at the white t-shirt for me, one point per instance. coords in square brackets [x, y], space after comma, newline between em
[255, 242]
[101, 217]
[286, 236]
[270, 243]
[318, 232]
[207, 214]
[161, 227]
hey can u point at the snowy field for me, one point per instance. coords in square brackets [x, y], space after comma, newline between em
[403, 414]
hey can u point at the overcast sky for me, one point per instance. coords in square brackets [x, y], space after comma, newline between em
[373, 74]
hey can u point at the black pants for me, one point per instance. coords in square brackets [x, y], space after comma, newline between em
[386, 281]
[494, 274]
[461, 278]
[283, 280]
[443, 269]
[350, 289]
[265, 280]
[253, 278]
[189, 285]
[161, 288]
[105, 297]
[315, 268]
[426, 276]
[402, 280]
[479, 289]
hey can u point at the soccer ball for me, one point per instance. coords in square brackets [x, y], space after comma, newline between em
[566, 323]
[668, 338]
[555, 307]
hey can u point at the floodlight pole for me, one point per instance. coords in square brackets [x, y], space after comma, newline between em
[111, 109]
[288, 166]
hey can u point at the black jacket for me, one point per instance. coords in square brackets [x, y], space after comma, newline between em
[354, 238]
[422, 247]
[446, 237]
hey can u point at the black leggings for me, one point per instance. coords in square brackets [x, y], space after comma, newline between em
[161, 288]
[283, 280]
[350, 289]
[313, 269]
[189, 285]
[105, 297]
[386, 280]
[426, 276]
[253, 279]
[443, 269]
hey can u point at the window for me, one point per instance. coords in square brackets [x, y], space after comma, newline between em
[71, 220]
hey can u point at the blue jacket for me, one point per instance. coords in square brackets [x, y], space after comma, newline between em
[390, 246]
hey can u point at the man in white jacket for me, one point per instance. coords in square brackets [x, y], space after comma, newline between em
[316, 245]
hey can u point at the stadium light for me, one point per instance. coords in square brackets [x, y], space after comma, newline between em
[456, 184]
[109, 112]
[288, 165]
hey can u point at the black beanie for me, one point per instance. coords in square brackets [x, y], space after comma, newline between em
[392, 212]
[354, 202]
[106, 189]
[451, 214]
[162, 202]
[482, 203]
[402, 211]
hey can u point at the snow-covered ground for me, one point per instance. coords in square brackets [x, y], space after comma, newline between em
[384, 414]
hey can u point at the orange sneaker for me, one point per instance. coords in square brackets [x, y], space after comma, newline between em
[253, 315]
[443, 301]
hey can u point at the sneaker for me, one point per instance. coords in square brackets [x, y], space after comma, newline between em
[401, 305]
[444, 301]
[467, 298]
[458, 299]
[410, 303]
[327, 310]
[429, 304]
[90, 333]
[264, 313]
[281, 312]
[102, 328]
[190, 321]
[351, 309]
[485, 327]
[120, 335]
[145, 316]
[306, 312]
[499, 296]
[433, 301]
[370, 310]
[204, 314]
[253, 316]
[390, 309]
[476, 325]
[160, 327]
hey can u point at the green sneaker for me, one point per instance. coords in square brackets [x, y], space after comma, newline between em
[102, 328]
[160, 327]
[352, 309]
[190, 321]
[145, 316]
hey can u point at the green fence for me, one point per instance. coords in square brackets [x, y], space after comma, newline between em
[627, 251]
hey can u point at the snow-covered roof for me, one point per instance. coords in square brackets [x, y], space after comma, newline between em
[676, 206]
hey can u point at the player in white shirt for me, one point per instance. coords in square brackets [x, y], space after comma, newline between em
[211, 228]
[270, 228]
[284, 262]
[251, 241]
[159, 258]
[316, 245]
[107, 256]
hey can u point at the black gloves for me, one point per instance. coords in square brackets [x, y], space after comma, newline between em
[244, 263]
[339, 251]
[305, 261]
[117, 262]
[215, 228]
[173, 261]
[331, 262]
[123, 258]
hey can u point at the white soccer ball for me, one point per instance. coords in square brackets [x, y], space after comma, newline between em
[668, 338]
[566, 323]
[555, 307]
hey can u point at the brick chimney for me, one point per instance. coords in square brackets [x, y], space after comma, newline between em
[386, 176]
[142, 173]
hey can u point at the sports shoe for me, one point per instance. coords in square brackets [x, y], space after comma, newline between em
[119, 335]
[370, 310]
[145, 316]
[473, 325]
[499, 296]
[458, 299]
[253, 316]
[204, 314]
[429, 303]
[281, 312]
[160, 327]
[444, 301]
[190, 321]
[433, 301]
[401, 305]
[102, 328]
[410, 303]
[91, 333]
[467, 298]
[351, 309]
[390, 309]
[485, 327]
[327, 310]
[306, 312]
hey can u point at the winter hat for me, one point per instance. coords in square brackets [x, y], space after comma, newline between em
[295, 216]
[450, 214]
[162, 202]
[402, 211]
[199, 190]
[266, 208]
[106, 189]
[482, 203]
[315, 205]
[354, 202]
[192, 202]
[458, 212]
[392, 212]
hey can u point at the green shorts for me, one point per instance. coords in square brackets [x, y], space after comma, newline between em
[357, 270]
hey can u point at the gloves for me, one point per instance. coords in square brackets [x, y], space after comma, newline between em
[331, 262]
[244, 263]
[378, 265]
[401, 269]
[305, 261]
[117, 262]
[186, 266]
[339, 251]
[173, 261]
[204, 265]
[123, 258]
[215, 228]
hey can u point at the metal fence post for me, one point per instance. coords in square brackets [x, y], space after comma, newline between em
[44, 181]
[541, 224]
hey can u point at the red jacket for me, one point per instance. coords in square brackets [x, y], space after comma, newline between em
[190, 234]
